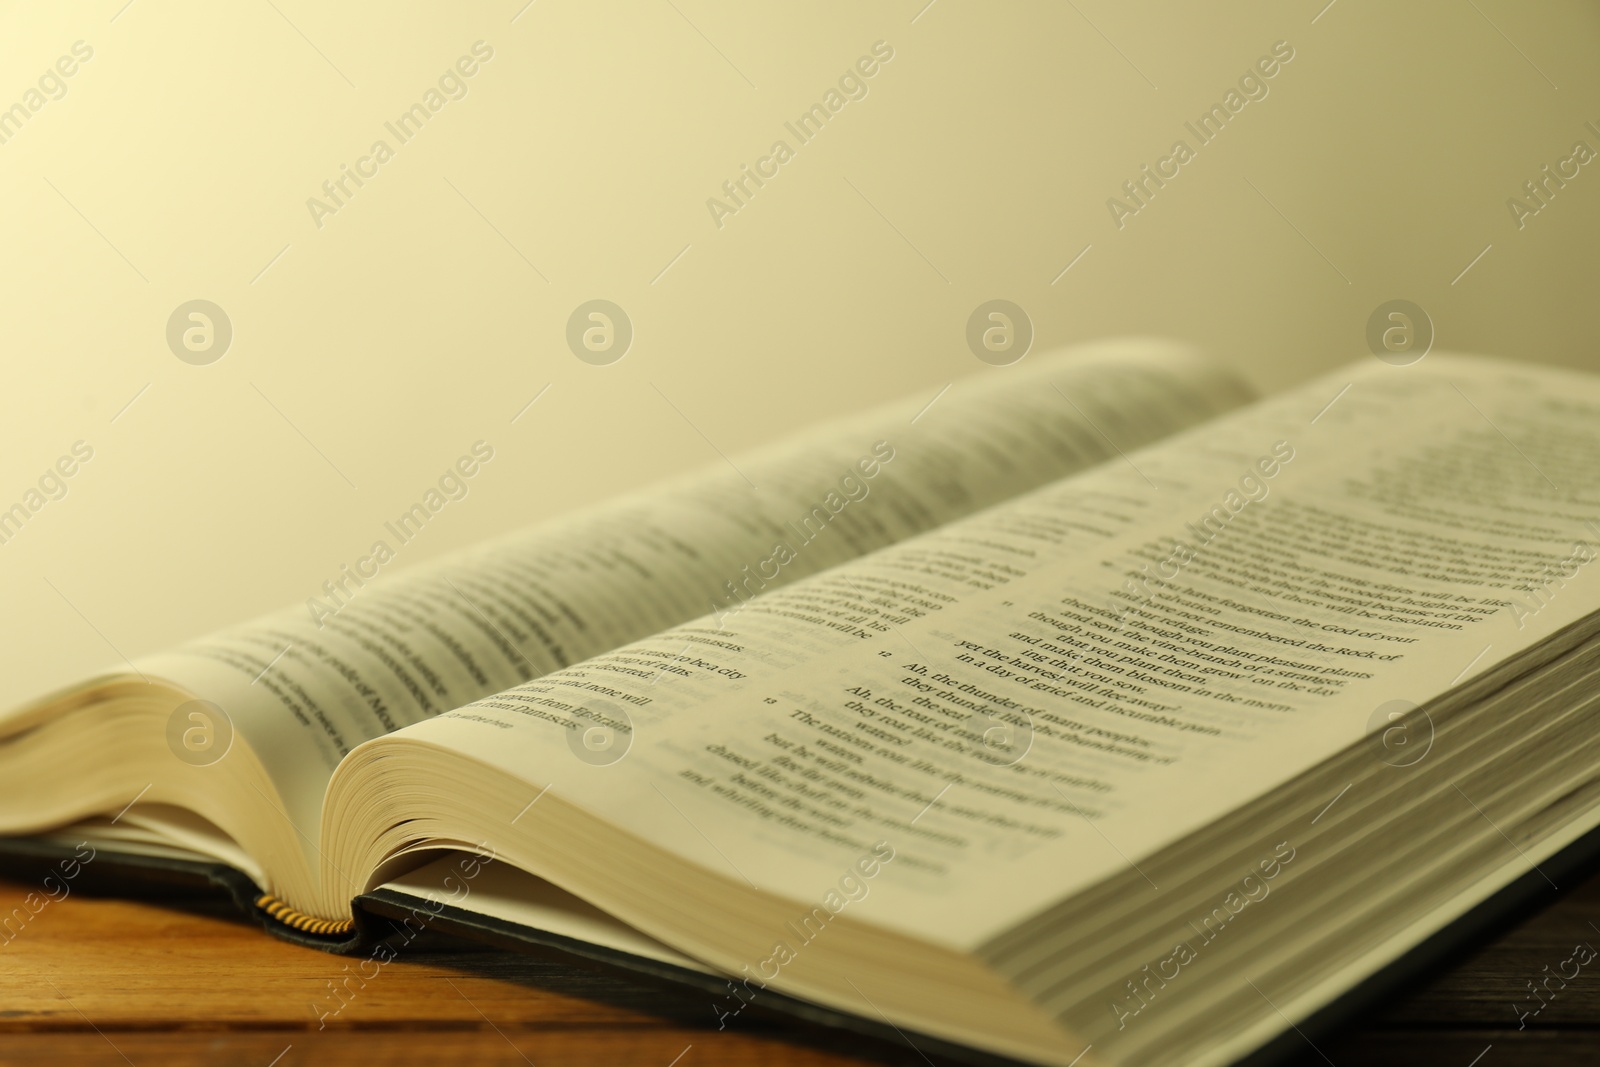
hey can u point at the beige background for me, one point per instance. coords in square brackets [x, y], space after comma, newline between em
[372, 352]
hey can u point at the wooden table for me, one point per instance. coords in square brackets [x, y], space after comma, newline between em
[91, 980]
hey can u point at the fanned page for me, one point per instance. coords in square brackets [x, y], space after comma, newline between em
[306, 685]
[1021, 704]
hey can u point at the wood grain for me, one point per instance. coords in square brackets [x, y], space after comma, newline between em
[93, 980]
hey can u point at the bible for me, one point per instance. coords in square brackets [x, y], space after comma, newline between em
[1093, 712]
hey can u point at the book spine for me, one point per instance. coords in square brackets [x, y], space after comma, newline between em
[299, 920]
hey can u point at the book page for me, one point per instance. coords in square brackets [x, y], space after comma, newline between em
[512, 896]
[372, 654]
[1025, 701]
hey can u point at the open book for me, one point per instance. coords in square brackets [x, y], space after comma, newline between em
[1090, 714]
